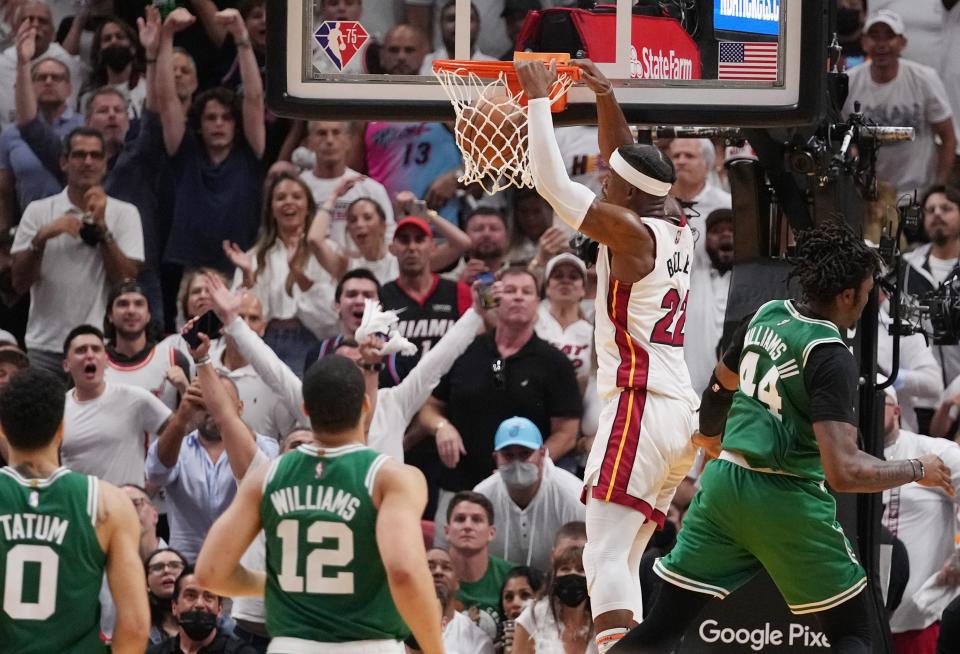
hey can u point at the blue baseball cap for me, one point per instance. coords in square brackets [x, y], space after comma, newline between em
[518, 431]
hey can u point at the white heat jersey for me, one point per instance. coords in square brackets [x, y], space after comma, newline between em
[149, 374]
[640, 326]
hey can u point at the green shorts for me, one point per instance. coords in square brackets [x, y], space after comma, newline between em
[742, 520]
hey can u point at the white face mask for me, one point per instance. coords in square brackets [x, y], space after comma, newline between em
[519, 474]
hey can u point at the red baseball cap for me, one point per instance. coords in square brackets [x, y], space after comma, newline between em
[416, 222]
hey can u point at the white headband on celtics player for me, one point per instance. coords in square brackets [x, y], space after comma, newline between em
[643, 182]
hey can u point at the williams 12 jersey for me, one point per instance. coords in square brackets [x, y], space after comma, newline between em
[640, 326]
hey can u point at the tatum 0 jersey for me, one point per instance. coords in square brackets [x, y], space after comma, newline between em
[769, 420]
[639, 326]
[51, 563]
[325, 579]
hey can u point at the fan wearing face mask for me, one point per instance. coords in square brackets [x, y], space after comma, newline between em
[531, 497]
[119, 62]
[559, 621]
[196, 610]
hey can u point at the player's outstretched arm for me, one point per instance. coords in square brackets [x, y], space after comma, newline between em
[118, 530]
[613, 129]
[850, 470]
[616, 227]
[400, 495]
[218, 564]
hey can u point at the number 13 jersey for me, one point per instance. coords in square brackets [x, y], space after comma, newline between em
[640, 326]
[325, 578]
[51, 563]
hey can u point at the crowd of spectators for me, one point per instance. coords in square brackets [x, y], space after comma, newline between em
[143, 183]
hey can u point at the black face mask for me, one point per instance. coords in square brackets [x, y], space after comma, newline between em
[848, 21]
[197, 624]
[116, 57]
[570, 589]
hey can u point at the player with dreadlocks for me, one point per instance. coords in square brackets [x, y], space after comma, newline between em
[791, 425]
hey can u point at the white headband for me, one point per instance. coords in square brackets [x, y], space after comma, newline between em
[643, 182]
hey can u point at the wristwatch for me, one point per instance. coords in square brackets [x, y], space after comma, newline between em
[373, 367]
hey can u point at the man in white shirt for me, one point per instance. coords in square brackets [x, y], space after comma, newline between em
[35, 16]
[70, 247]
[531, 497]
[106, 427]
[460, 634]
[329, 142]
[693, 160]
[925, 520]
[263, 409]
[903, 93]
[707, 307]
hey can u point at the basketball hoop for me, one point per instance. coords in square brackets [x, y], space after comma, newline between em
[491, 123]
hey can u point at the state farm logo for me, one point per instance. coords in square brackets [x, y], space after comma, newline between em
[758, 639]
[659, 64]
[341, 40]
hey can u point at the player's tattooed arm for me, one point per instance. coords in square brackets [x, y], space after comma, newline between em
[850, 470]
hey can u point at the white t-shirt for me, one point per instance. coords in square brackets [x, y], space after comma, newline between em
[313, 307]
[915, 98]
[924, 519]
[537, 620]
[576, 341]
[73, 286]
[365, 188]
[949, 71]
[940, 268]
[108, 436]
[462, 636]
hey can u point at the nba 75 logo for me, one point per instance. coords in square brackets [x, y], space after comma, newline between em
[341, 40]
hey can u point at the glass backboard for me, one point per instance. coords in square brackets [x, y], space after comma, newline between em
[675, 62]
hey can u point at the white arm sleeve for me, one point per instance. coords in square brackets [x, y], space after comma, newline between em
[570, 200]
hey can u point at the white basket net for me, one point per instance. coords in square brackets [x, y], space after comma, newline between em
[492, 138]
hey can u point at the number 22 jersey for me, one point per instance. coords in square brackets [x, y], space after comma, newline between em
[640, 326]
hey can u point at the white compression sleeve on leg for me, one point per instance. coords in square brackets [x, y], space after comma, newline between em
[569, 200]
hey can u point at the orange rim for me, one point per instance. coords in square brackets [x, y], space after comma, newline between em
[492, 69]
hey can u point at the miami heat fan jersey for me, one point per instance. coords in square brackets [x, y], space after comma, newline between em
[150, 373]
[640, 326]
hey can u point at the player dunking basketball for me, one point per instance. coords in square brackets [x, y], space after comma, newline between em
[642, 449]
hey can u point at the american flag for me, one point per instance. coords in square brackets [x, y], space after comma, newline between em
[748, 61]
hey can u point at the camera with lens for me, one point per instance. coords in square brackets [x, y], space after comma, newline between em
[942, 308]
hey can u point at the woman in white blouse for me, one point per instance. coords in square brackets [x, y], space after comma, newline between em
[367, 229]
[559, 622]
[296, 292]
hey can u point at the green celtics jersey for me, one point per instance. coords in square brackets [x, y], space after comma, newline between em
[51, 563]
[769, 421]
[325, 578]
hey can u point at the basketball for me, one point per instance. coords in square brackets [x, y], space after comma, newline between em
[493, 128]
